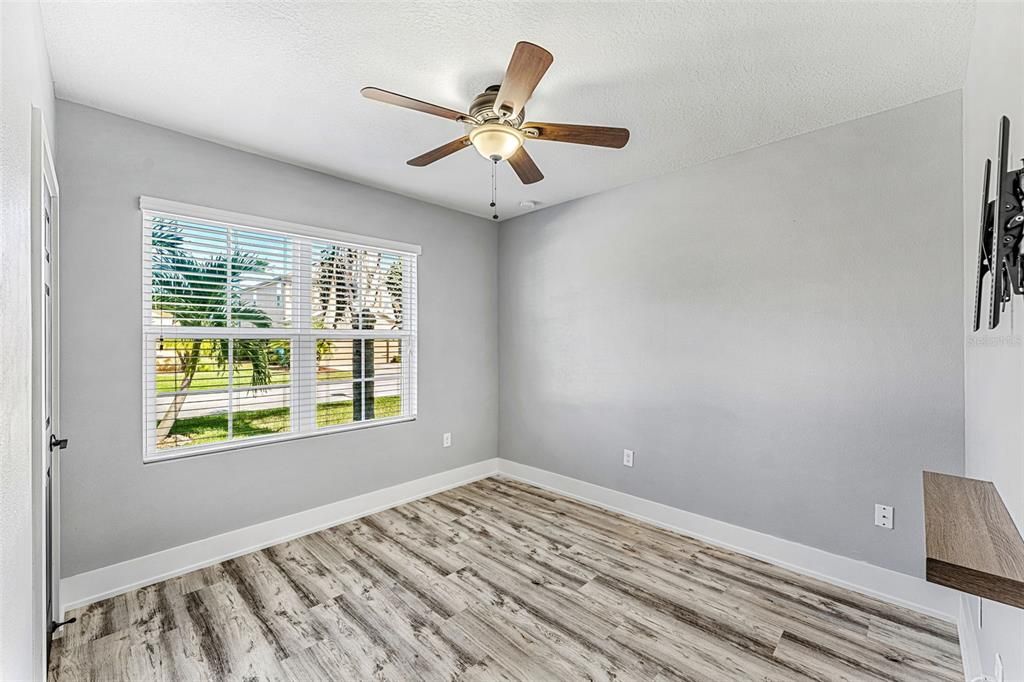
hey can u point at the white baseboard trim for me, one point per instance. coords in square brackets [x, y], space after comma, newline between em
[85, 588]
[875, 581]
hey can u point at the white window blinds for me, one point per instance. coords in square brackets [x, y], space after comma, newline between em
[254, 333]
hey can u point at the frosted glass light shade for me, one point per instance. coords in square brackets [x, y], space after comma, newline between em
[496, 141]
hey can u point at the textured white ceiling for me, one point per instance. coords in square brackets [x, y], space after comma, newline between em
[692, 81]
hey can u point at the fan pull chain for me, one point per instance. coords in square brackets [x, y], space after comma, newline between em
[494, 187]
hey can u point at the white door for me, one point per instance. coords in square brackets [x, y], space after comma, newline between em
[45, 384]
[54, 444]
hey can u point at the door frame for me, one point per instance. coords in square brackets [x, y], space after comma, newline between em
[44, 179]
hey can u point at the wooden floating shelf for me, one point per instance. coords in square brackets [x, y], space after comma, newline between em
[971, 541]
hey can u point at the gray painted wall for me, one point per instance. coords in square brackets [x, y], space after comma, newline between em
[116, 508]
[994, 359]
[778, 334]
[26, 83]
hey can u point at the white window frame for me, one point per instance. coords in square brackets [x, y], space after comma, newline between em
[299, 381]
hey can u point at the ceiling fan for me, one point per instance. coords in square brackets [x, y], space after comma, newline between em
[496, 124]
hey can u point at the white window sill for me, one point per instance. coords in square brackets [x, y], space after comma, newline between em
[228, 446]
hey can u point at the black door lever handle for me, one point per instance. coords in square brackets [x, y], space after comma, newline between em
[56, 443]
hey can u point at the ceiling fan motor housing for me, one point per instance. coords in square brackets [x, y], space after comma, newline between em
[482, 109]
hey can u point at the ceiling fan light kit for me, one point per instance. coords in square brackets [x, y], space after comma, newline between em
[496, 141]
[496, 119]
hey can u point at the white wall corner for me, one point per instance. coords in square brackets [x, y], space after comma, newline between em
[970, 653]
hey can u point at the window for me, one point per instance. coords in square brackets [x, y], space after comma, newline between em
[256, 330]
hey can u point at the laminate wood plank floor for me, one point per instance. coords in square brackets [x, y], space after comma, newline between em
[499, 580]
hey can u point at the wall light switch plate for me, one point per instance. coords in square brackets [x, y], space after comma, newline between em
[883, 516]
[627, 458]
[447, 440]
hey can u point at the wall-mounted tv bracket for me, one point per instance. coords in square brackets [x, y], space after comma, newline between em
[1000, 239]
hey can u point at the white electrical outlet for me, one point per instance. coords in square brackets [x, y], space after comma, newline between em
[883, 516]
[627, 458]
[447, 440]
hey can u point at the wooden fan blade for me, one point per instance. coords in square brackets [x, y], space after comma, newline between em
[528, 64]
[522, 163]
[410, 103]
[596, 136]
[439, 153]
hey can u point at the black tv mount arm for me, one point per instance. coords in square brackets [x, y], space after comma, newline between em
[1002, 230]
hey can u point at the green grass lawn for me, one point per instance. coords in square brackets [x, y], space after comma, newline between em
[213, 428]
[332, 374]
[214, 376]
